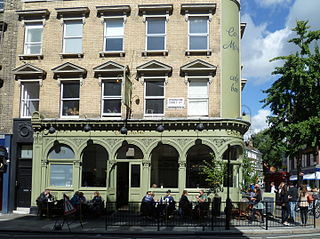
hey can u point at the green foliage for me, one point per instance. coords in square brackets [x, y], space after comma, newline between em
[272, 150]
[215, 171]
[249, 175]
[294, 98]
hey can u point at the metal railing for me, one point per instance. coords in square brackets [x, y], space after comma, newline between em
[209, 216]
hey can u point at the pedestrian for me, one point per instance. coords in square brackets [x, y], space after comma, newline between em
[293, 198]
[303, 205]
[273, 188]
[257, 206]
[283, 199]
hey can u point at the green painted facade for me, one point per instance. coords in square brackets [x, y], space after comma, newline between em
[230, 57]
[180, 134]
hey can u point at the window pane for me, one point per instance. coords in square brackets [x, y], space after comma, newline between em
[155, 43]
[112, 106]
[29, 107]
[61, 152]
[73, 46]
[198, 89]
[135, 175]
[70, 107]
[34, 34]
[31, 90]
[198, 107]
[71, 90]
[94, 163]
[26, 151]
[33, 49]
[114, 44]
[73, 28]
[198, 24]
[154, 88]
[154, 106]
[156, 25]
[112, 88]
[198, 43]
[114, 27]
[61, 175]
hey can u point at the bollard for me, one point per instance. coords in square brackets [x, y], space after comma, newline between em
[266, 215]
[314, 213]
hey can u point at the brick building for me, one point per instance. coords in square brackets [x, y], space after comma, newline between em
[126, 94]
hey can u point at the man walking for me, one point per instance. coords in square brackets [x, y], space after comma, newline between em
[293, 198]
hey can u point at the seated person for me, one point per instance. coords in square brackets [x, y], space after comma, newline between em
[97, 203]
[148, 205]
[170, 204]
[45, 203]
[45, 196]
[75, 200]
[185, 206]
[201, 209]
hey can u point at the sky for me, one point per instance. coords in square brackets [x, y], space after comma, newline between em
[269, 24]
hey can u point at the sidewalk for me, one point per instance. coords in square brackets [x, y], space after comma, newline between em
[32, 223]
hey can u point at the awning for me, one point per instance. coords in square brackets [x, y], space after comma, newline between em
[293, 178]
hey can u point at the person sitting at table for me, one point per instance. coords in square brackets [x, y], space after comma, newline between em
[148, 205]
[201, 208]
[96, 203]
[167, 205]
[45, 203]
[185, 206]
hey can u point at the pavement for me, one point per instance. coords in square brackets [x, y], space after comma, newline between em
[33, 224]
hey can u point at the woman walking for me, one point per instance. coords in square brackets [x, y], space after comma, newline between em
[303, 205]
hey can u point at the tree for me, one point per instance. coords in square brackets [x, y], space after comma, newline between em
[215, 171]
[249, 175]
[294, 97]
[272, 150]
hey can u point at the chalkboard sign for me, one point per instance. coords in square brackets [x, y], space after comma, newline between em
[270, 202]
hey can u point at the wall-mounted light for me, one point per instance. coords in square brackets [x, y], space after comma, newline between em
[200, 127]
[160, 128]
[123, 130]
[86, 128]
[52, 130]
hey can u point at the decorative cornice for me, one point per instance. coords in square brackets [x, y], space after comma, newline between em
[104, 10]
[235, 126]
[37, 13]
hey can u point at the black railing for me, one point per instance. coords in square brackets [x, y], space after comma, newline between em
[208, 216]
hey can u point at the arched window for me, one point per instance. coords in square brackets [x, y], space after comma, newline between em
[94, 163]
[195, 157]
[129, 151]
[61, 165]
[164, 166]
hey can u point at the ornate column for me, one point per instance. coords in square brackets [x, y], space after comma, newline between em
[182, 173]
[146, 174]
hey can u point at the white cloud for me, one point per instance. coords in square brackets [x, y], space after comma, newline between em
[268, 3]
[259, 45]
[259, 121]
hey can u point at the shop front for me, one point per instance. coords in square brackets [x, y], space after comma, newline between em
[124, 159]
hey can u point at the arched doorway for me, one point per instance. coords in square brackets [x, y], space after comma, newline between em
[128, 166]
[196, 156]
[94, 164]
[164, 166]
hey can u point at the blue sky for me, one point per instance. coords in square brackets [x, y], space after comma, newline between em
[269, 24]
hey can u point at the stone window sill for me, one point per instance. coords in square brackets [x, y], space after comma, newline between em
[112, 53]
[30, 57]
[199, 52]
[155, 53]
[71, 55]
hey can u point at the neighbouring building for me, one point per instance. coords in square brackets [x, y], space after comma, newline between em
[310, 167]
[256, 158]
[8, 47]
[126, 94]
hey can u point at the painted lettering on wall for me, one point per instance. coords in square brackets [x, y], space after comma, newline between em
[232, 41]
[234, 83]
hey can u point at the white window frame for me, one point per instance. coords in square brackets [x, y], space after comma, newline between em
[23, 101]
[32, 25]
[105, 19]
[103, 98]
[200, 78]
[156, 35]
[72, 37]
[199, 34]
[62, 82]
[154, 78]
